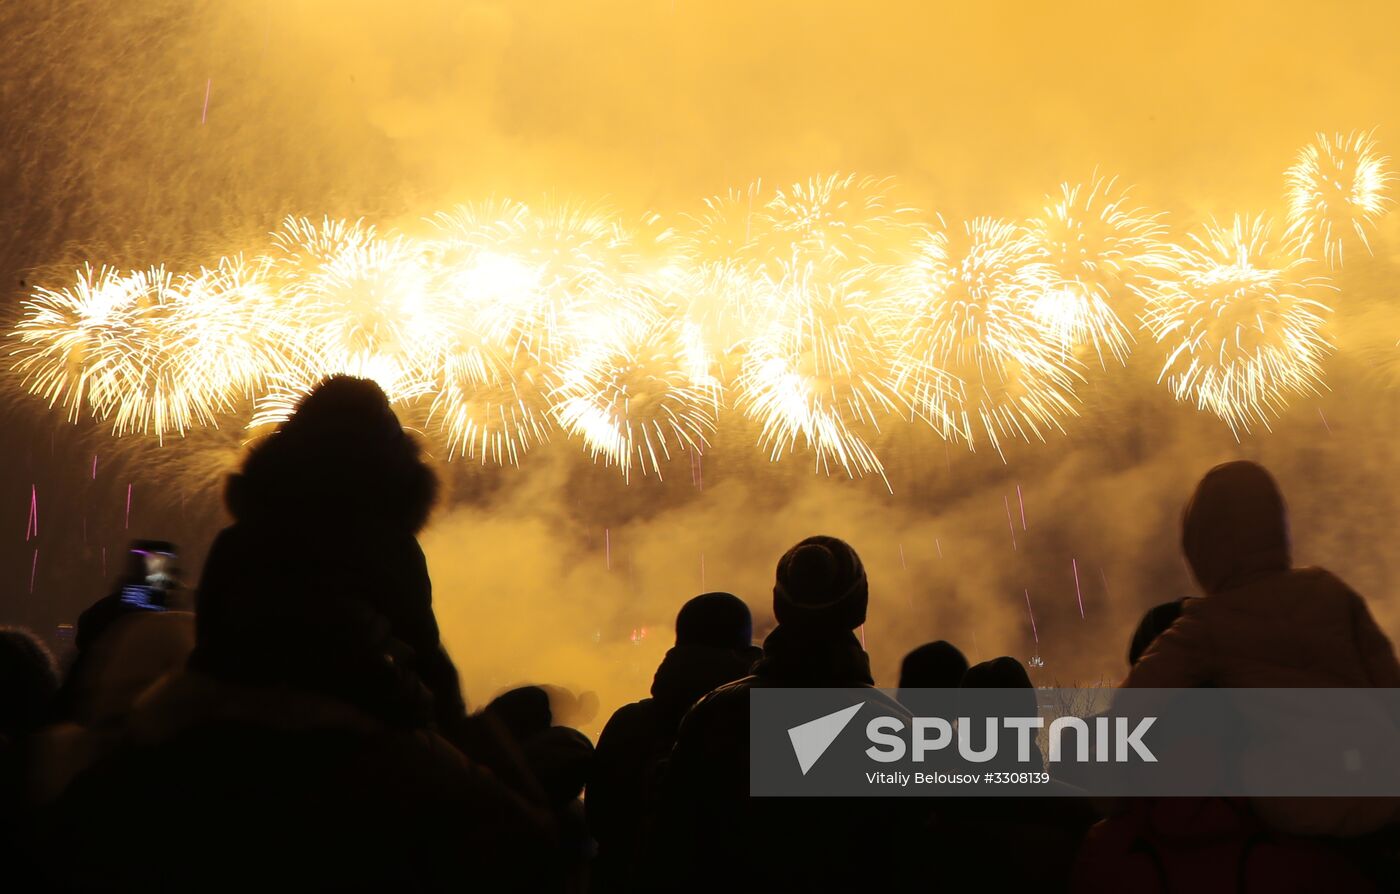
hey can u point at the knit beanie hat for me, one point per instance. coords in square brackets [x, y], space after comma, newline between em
[821, 586]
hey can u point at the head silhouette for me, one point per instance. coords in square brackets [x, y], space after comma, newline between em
[721, 620]
[344, 407]
[343, 458]
[1004, 673]
[1235, 527]
[936, 665]
[820, 587]
[28, 681]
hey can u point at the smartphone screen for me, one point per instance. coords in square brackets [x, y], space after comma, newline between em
[160, 568]
[154, 573]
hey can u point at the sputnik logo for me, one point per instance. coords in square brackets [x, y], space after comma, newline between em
[810, 740]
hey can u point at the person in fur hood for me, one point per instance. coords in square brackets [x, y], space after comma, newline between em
[328, 506]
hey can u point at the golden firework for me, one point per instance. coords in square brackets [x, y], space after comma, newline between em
[1336, 191]
[1092, 241]
[1241, 322]
[122, 344]
[631, 399]
[973, 360]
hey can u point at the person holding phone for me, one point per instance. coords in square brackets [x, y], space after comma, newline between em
[149, 582]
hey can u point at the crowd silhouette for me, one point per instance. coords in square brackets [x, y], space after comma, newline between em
[299, 724]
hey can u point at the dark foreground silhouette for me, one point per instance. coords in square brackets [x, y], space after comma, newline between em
[303, 727]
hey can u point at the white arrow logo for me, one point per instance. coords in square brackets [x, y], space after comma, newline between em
[810, 740]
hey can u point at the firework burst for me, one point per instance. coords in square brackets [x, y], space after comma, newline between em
[63, 336]
[122, 344]
[1241, 322]
[837, 218]
[724, 294]
[815, 366]
[973, 360]
[818, 373]
[631, 400]
[486, 411]
[541, 280]
[235, 336]
[1336, 191]
[1092, 241]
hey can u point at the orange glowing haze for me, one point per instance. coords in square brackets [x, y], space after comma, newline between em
[665, 285]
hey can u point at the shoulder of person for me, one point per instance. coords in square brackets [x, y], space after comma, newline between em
[728, 699]
[1320, 577]
[630, 715]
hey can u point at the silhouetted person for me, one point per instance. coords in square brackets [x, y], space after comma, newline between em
[134, 652]
[28, 683]
[1264, 624]
[328, 505]
[715, 835]
[714, 646]
[323, 772]
[1015, 697]
[1199, 844]
[972, 838]
[136, 592]
[935, 665]
[139, 590]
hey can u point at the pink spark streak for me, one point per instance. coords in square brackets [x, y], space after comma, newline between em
[1074, 563]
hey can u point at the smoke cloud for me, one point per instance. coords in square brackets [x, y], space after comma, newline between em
[170, 131]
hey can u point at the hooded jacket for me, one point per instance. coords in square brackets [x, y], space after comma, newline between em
[325, 510]
[1265, 624]
[1262, 622]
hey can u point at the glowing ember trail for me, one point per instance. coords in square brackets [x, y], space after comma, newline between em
[1078, 594]
[1035, 633]
[1009, 524]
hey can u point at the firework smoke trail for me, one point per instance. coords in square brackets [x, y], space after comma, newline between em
[1336, 190]
[973, 362]
[1092, 241]
[1241, 323]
